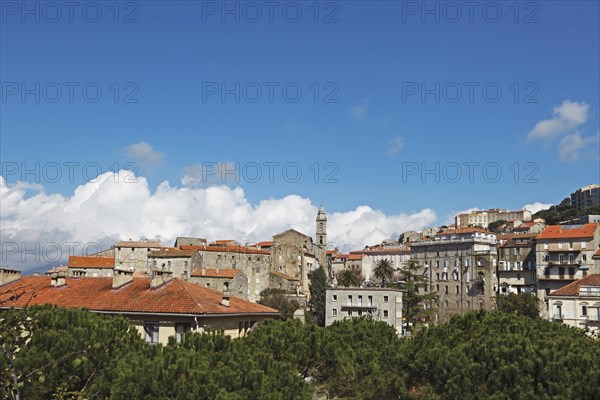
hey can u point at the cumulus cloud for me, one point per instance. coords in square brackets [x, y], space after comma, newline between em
[395, 145]
[537, 206]
[571, 147]
[108, 209]
[567, 117]
[144, 154]
[211, 173]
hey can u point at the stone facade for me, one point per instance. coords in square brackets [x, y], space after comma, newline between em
[380, 303]
[482, 218]
[233, 281]
[180, 262]
[461, 268]
[134, 254]
[516, 259]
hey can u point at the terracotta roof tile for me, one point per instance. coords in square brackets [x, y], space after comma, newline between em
[355, 256]
[572, 289]
[215, 273]
[174, 297]
[265, 244]
[569, 231]
[91, 262]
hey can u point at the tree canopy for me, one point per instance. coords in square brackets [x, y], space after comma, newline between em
[383, 271]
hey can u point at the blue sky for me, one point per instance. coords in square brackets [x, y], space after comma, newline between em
[371, 61]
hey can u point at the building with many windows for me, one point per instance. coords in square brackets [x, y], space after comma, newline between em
[577, 304]
[460, 266]
[564, 253]
[482, 218]
[382, 304]
[587, 196]
[516, 263]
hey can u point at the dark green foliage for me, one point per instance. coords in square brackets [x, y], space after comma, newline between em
[524, 304]
[349, 278]
[412, 301]
[564, 212]
[318, 287]
[276, 298]
[383, 271]
[493, 226]
[492, 355]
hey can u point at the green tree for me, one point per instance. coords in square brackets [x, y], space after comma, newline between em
[383, 271]
[413, 302]
[494, 226]
[349, 278]
[277, 299]
[318, 287]
[524, 304]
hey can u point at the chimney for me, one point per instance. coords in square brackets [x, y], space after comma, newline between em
[160, 277]
[225, 298]
[9, 275]
[203, 270]
[58, 277]
[121, 277]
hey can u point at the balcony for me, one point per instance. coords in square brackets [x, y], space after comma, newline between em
[358, 307]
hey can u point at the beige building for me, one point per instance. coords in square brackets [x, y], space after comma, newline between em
[587, 196]
[482, 218]
[133, 255]
[382, 304]
[516, 259]
[159, 307]
[233, 281]
[578, 304]
[397, 254]
[564, 253]
[461, 268]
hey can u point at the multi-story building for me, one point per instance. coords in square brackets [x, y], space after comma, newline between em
[460, 266]
[482, 218]
[577, 304]
[233, 281]
[158, 307]
[587, 196]
[180, 262]
[398, 255]
[133, 255]
[516, 263]
[564, 254]
[382, 304]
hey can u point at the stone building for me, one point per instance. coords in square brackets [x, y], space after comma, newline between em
[564, 253]
[284, 282]
[461, 268]
[382, 304]
[133, 255]
[189, 241]
[254, 263]
[180, 262]
[233, 281]
[80, 266]
[516, 264]
[482, 218]
[397, 254]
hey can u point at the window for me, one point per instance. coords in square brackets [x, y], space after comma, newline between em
[446, 290]
[180, 330]
[571, 271]
[385, 313]
[334, 297]
[437, 288]
[349, 299]
[385, 299]
[560, 246]
[225, 286]
[584, 257]
[561, 258]
[558, 311]
[334, 312]
[583, 245]
[545, 246]
[571, 258]
[359, 301]
[570, 245]
[151, 330]
[457, 289]
[584, 310]
[349, 313]
[561, 271]
[370, 301]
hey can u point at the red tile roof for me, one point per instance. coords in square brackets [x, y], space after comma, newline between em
[342, 255]
[330, 252]
[597, 253]
[174, 297]
[91, 262]
[226, 249]
[572, 289]
[169, 253]
[355, 257]
[569, 231]
[215, 273]
[265, 244]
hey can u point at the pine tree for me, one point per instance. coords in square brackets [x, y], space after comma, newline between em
[318, 288]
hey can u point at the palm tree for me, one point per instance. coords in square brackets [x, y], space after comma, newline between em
[384, 270]
[348, 278]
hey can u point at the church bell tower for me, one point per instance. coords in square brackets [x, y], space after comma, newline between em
[322, 228]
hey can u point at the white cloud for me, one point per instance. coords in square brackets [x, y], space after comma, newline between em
[537, 206]
[567, 117]
[571, 146]
[105, 211]
[359, 111]
[396, 144]
[144, 154]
